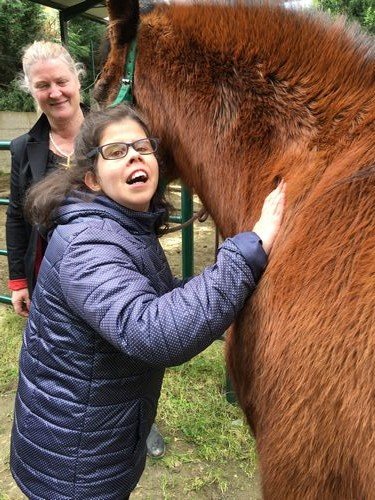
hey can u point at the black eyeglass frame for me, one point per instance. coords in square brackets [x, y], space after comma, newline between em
[154, 141]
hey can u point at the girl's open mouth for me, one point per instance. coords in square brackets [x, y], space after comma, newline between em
[137, 176]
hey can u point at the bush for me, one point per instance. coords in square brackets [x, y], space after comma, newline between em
[362, 11]
[12, 98]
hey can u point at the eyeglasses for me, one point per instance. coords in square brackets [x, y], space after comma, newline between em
[117, 150]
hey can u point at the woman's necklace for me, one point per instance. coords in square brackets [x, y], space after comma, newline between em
[62, 153]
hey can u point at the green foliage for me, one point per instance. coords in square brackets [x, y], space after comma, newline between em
[15, 99]
[21, 22]
[84, 39]
[362, 11]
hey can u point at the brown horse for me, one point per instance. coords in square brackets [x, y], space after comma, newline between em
[241, 96]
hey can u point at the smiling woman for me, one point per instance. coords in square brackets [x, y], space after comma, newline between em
[52, 78]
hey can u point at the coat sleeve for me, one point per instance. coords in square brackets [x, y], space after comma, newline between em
[103, 286]
[17, 235]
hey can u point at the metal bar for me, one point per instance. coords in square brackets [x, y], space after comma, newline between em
[92, 61]
[63, 28]
[4, 145]
[60, 6]
[175, 218]
[79, 8]
[4, 201]
[187, 234]
[48, 3]
[230, 395]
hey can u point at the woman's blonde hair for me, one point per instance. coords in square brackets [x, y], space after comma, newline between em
[41, 51]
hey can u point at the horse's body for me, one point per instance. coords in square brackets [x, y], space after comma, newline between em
[242, 96]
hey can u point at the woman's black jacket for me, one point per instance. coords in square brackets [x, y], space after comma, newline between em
[29, 165]
[29, 162]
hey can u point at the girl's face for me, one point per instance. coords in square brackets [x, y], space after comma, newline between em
[130, 181]
[55, 88]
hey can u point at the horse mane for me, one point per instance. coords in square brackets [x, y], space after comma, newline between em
[304, 58]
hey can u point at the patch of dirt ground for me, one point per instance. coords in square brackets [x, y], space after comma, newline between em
[157, 481]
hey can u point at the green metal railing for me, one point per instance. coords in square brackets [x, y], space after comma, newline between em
[4, 145]
[187, 232]
[5, 299]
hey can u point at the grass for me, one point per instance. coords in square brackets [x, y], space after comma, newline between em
[11, 328]
[193, 404]
[203, 431]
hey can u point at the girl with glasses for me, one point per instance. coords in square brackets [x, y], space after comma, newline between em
[107, 316]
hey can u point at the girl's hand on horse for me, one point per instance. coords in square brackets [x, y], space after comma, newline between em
[270, 219]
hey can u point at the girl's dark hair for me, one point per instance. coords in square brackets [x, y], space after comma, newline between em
[46, 196]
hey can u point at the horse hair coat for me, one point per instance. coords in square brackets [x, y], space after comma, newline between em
[242, 96]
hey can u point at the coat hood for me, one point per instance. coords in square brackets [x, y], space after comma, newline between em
[77, 206]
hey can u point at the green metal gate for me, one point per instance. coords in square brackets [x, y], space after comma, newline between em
[4, 145]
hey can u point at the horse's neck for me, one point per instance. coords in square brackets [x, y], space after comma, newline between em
[272, 123]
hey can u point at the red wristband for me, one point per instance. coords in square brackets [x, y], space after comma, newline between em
[18, 284]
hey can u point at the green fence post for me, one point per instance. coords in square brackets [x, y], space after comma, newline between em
[230, 395]
[187, 234]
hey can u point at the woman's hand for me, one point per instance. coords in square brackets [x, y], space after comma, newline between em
[269, 223]
[21, 302]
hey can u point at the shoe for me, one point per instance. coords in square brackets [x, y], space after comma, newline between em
[155, 443]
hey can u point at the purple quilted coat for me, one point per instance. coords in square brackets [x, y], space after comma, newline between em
[107, 317]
